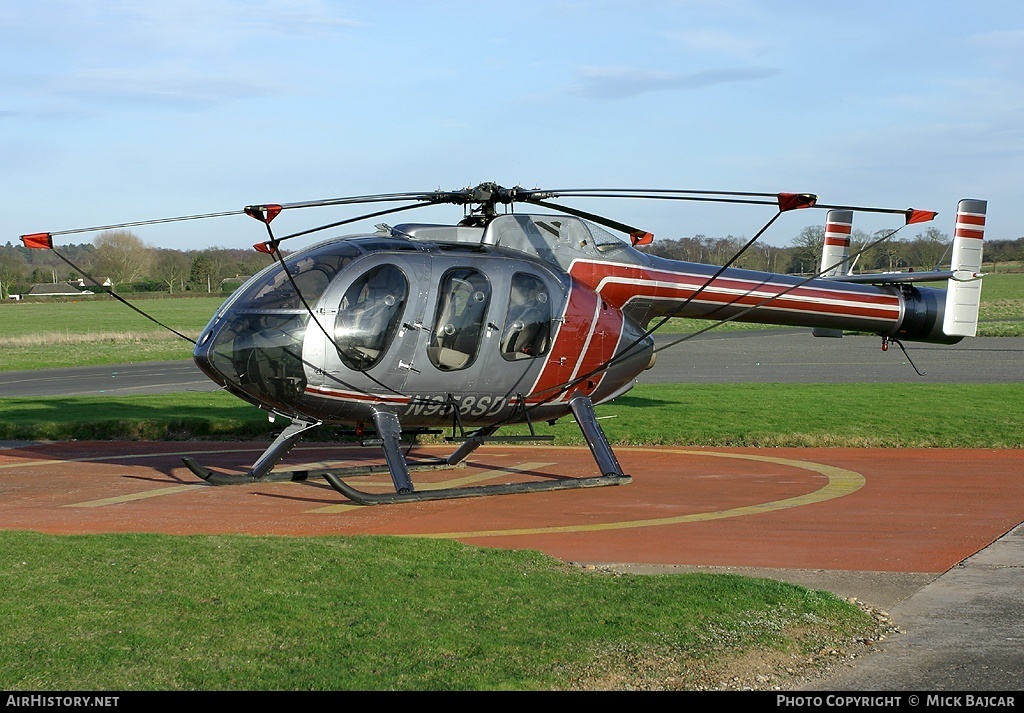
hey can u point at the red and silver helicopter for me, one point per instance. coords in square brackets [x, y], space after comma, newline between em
[506, 318]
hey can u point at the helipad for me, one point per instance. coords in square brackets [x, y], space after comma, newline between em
[893, 510]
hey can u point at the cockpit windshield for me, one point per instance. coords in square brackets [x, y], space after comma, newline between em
[257, 344]
[311, 271]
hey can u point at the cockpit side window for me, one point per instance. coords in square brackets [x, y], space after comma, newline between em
[460, 320]
[369, 315]
[527, 330]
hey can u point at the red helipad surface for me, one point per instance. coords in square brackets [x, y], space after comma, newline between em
[840, 509]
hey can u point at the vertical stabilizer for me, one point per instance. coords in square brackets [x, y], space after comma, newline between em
[963, 291]
[835, 254]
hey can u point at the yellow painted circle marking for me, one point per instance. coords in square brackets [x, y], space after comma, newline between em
[840, 482]
[128, 456]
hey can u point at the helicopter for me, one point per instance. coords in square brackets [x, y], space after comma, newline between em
[510, 318]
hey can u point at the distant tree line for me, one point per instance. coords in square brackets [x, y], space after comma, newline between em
[925, 251]
[130, 265]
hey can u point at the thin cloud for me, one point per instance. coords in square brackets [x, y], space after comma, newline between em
[163, 88]
[622, 83]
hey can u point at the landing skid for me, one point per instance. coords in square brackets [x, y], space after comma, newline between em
[389, 432]
[299, 474]
[473, 491]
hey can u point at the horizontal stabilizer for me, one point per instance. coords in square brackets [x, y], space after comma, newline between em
[899, 278]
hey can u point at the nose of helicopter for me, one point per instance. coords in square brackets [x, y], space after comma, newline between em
[256, 356]
[253, 345]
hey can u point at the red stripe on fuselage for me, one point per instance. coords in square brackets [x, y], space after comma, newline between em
[586, 339]
[355, 396]
[619, 284]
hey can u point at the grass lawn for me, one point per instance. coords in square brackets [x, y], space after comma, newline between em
[763, 415]
[154, 612]
[41, 335]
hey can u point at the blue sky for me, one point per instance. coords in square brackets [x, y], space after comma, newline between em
[116, 111]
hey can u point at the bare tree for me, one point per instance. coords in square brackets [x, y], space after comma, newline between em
[171, 267]
[928, 248]
[12, 269]
[806, 249]
[121, 255]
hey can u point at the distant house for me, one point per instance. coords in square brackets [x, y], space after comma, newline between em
[56, 289]
[230, 284]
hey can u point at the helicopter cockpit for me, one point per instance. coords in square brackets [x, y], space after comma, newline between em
[254, 343]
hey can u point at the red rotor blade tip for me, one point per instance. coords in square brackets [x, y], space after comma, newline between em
[793, 201]
[263, 248]
[263, 213]
[38, 241]
[641, 237]
[920, 216]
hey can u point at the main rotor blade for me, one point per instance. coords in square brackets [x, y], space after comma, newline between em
[638, 236]
[488, 194]
[265, 247]
[457, 197]
[156, 221]
[912, 215]
[423, 196]
[644, 193]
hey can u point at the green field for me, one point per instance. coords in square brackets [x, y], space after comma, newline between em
[100, 330]
[745, 415]
[153, 612]
[105, 315]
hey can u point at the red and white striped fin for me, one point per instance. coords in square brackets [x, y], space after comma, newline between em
[835, 252]
[963, 291]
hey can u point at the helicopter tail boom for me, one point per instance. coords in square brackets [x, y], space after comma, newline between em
[833, 301]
